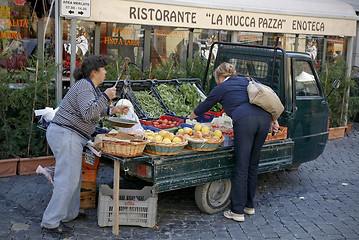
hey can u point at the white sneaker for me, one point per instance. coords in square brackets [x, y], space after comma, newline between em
[249, 211]
[236, 217]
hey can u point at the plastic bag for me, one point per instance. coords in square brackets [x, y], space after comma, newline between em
[137, 129]
[223, 120]
[46, 114]
[48, 172]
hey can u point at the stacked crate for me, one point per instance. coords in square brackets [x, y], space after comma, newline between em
[90, 165]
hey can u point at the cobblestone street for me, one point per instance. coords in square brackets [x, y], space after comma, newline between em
[320, 200]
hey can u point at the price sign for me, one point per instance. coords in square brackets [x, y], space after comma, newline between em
[89, 158]
[75, 8]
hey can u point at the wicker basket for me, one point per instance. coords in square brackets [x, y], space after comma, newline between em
[204, 144]
[161, 148]
[120, 148]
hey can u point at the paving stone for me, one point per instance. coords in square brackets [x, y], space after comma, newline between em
[309, 203]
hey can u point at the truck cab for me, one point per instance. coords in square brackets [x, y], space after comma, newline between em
[293, 77]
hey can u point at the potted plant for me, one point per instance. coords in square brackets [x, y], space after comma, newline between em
[20, 94]
[353, 100]
[335, 69]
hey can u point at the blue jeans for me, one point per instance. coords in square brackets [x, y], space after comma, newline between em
[67, 147]
[250, 133]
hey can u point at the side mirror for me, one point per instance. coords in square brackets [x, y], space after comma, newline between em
[336, 84]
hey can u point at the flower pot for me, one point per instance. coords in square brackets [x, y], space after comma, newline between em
[8, 167]
[336, 132]
[349, 126]
[28, 166]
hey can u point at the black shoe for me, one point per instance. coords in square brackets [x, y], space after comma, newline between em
[81, 216]
[60, 229]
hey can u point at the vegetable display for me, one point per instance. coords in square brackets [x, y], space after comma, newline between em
[150, 104]
[192, 95]
[174, 99]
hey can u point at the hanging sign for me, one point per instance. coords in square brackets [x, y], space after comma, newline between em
[75, 8]
[145, 13]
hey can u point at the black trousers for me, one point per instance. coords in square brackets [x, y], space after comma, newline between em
[250, 133]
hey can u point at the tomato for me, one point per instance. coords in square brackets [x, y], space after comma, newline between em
[169, 122]
[165, 121]
[160, 121]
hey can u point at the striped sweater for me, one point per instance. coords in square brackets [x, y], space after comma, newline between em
[81, 108]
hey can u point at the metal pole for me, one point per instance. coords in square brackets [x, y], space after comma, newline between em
[147, 48]
[296, 42]
[58, 50]
[41, 42]
[234, 36]
[97, 39]
[73, 50]
[349, 61]
[190, 44]
[325, 49]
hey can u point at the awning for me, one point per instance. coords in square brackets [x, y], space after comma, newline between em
[316, 17]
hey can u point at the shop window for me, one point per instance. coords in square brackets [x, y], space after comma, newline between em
[17, 39]
[119, 40]
[336, 47]
[305, 82]
[272, 38]
[312, 45]
[252, 38]
[169, 42]
[84, 40]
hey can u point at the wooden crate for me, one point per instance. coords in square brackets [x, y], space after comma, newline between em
[89, 175]
[88, 195]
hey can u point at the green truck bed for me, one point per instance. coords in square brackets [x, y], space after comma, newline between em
[191, 168]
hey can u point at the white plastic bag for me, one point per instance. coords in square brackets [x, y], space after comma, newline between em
[137, 129]
[47, 114]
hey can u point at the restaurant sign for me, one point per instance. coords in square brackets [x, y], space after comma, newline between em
[207, 18]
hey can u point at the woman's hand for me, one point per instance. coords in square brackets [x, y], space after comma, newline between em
[122, 109]
[274, 127]
[111, 93]
[192, 116]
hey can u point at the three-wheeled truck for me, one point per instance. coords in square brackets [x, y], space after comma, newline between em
[293, 77]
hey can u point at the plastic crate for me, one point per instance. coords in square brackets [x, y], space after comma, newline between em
[196, 81]
[173, 115]
[146, 85]
[173, 119]
[120, 93]
[183, 125]
[228, 141]
[205, 117]
[137, 207]
[172, 105]
[217, 114]
[100, 130]
[148, 124]
[152, 128]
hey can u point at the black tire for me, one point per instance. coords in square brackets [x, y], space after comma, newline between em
[213, 197]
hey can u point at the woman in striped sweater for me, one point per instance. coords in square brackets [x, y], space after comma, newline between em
[69, 131]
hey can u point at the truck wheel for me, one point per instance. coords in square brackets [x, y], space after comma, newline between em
[213, 197]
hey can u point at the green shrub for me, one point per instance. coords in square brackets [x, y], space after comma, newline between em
[20, 94]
